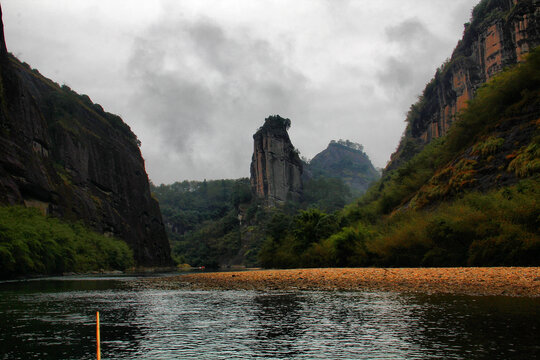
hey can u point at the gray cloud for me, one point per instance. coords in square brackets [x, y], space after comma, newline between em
[407, 32]
[195, 80]
[408, 69]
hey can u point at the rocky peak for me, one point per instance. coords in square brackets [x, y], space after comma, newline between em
[276, 168]
[345, 160]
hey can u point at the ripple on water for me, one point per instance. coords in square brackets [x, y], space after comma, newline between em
[152, 324]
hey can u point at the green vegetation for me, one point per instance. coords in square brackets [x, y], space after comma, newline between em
[496, 228]
[276, 122]
[31, 243]
[431, 210]
[202, 218]
[486, 13]
[527, 160]
[493, 229]
[214, 222]
[326, 193]
[469, 198]
[346, 161]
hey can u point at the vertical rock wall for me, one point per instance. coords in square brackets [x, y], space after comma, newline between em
[276, 169]
[64, 155]
[500, 34]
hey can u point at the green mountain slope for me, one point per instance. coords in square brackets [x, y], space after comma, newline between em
[468, 198]
[347, 161]
[499, 34]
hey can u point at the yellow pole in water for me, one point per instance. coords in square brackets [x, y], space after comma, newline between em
[97, 336]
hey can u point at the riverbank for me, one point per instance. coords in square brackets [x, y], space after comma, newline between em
[507, 281]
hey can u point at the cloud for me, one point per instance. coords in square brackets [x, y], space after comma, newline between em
[202, 86]
[409, 31]
[195, 79]
[408, 68]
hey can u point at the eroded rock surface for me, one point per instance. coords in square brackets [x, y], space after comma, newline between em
[63, 154]
[500, 33]
[276, 168]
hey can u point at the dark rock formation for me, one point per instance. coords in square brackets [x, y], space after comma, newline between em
[63, 154]
[276, 168]
[501, 33]
[346, 161]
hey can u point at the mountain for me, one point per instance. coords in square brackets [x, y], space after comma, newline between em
[276, 168]
[66, 156]
[463, 188]
[222, 223]
[499, 34]
[344, 160]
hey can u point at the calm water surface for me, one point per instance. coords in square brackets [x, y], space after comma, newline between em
[54, 319]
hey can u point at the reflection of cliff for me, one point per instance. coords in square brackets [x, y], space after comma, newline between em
[65, 155]
[501, 33]
[276, 168]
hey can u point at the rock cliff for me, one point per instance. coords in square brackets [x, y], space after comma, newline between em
[276, 168]
[500, 33]
[65, 155]
[347, 161]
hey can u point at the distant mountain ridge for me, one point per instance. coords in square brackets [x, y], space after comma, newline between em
[347, 161]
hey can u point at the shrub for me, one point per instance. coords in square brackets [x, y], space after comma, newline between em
[31, 243]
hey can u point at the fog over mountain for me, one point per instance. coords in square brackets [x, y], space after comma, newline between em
[194, 79]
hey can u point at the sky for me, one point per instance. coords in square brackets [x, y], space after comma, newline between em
[194, 79]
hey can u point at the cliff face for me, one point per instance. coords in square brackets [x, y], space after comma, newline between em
[347, 162]
[501, 33]
[63, 154]
[276, 169]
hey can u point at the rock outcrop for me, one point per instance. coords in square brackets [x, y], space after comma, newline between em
[65, 155]
[501, 33]
[347, 161]
[276, 168]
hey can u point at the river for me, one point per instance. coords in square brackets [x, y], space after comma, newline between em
[55, 319]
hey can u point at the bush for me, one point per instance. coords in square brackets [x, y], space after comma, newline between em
[31, 243]
[496, 228]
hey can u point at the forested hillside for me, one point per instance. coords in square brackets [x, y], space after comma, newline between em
[461, 188]
[468, 198]
[219, 223]
[344, 160]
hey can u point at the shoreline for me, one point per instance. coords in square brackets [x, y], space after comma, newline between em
[102, 272]
[492, 281]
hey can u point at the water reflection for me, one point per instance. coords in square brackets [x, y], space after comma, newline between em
[280, 324]
[479, 327]
[55, 320]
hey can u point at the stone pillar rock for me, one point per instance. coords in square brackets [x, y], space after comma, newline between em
[276, 168]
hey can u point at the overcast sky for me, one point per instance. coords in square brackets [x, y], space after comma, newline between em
[195, 78]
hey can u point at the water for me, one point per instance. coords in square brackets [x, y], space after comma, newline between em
[55, 319]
